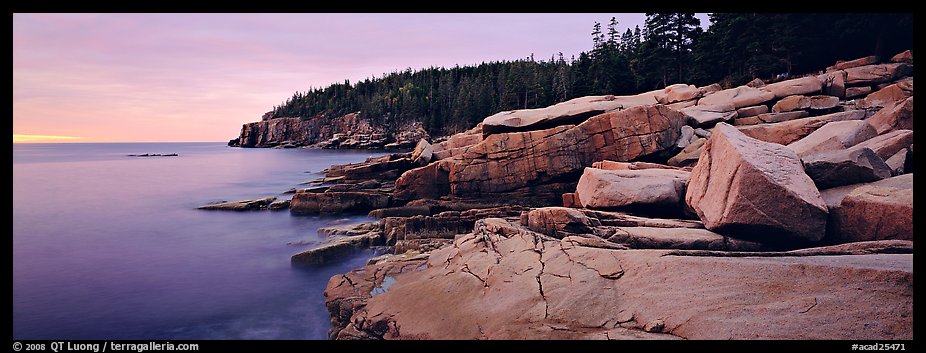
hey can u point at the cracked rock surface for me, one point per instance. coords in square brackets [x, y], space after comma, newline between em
[503, 281]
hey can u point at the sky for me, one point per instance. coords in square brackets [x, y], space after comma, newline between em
[198, 77]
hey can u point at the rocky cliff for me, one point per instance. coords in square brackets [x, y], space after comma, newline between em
[771, 211]
[348, 131]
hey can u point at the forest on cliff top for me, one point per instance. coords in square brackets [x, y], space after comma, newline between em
[670, 48]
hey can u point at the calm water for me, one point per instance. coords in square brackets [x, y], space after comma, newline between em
[111, 247]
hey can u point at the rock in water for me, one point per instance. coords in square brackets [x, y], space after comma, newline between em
[243, 205]
[648, 188]
[746, 187]
[843, 167]
[337, 202]
[505, 162]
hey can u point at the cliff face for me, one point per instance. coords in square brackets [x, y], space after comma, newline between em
[348, 131]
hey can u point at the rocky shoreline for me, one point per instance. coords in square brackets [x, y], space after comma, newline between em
[764, 211]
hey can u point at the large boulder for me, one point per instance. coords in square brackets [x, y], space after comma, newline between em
[833, 136]
[803, 85]
[888, 95]
[650, 188]
[843, 167]
[742, 96]
[888, 144]
[834, 83]
[875, 211]
[868, 60]
[903, 57]
[335, 249]
[704, 115]
[573, 111]
[427, 182]
[678, 93]
[789, 131]
[872, 74]
[505, 162]
[422, 153]
[894, 116]
[746, 187]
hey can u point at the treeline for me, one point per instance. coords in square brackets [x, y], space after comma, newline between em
[670, 48]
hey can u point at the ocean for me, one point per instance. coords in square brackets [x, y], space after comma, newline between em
[107, 246]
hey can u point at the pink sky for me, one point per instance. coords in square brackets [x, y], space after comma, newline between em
[198, 77]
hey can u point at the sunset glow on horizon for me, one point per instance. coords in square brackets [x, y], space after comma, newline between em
[198, 77]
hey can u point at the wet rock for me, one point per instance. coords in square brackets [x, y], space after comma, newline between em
[279, 205]
[242, 205]
[338, 202]
[336, 249]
